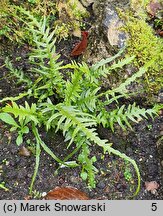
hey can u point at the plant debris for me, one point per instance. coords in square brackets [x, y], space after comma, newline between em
[24, 152]
[152, 186]
[66, 193]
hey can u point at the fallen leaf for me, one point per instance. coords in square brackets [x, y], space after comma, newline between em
[28, 197]
[159, 32]
[24, 152]
[81, 46]
[66, 193]
[151, 186]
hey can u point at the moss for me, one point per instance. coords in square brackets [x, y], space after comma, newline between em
[12, 28]
[65, 16]
[71, 14]
[146, 47]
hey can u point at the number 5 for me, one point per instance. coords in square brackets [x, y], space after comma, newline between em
[154, 207]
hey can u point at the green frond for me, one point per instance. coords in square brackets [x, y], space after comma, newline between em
[122, 63]
[105, 70]
[122, 115]
[19, 74]
[88, 99]
[21, 112]
[106, 61]
[73, 88]
[44, 54]
[122, 88]
[88, 169]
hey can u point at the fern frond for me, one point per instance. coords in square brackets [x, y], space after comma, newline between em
[106, 70]
[106, 61]
[73, 88]
[122, 88]
[122, 115]
[88, 169]
[88, 100]
[81, 122]
[21, 112]
[44, 54]
[122, 63]
[21, 95]
[21, 77]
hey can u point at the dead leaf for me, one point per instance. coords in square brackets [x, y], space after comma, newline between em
[81, 46]
[159, 32]
[66, 193]
[151, 186]
[28, 197]
[24, 152]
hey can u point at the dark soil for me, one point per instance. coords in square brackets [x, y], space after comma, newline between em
[140, 144]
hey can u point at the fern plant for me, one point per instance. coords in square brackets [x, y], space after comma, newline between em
[82, 105]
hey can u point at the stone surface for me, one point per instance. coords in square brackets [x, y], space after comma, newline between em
[112, 24]
[105, 36]
[109, 21]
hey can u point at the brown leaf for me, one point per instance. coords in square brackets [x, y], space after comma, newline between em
[66, 193]
[160, 33]
[151, 186]
[28, 197]
[24, 152]
[153, 7]
[81, 46]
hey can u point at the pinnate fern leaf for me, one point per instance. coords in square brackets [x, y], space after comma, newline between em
[122, 115]
[22, 112]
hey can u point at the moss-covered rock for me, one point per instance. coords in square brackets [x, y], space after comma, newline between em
[147, 47]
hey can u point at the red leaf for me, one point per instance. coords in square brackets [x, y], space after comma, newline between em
[66, 193]
[81, 46]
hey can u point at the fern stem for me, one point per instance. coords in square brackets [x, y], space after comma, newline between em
[38, 151]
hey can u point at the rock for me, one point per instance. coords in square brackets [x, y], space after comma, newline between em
[162, 163]
[105, 36]
[74, 179]
[112, 24]
[101, 185]
[151, 186]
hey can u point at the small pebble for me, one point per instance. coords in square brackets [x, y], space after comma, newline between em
[44, 194]
[162, 163]
[74, 179]
[161, 133]
[101, 185]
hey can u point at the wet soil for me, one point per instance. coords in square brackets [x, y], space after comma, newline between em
[140, 144]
